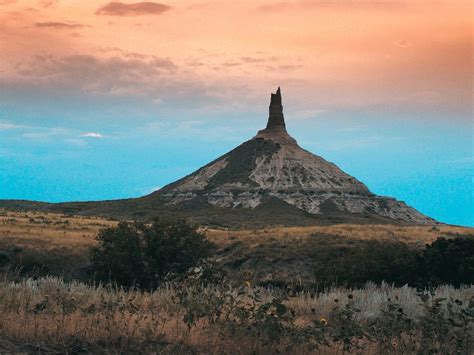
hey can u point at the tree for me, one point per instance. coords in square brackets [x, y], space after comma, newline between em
[142, 255]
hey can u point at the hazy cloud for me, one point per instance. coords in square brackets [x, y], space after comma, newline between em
[116, 8]
[5, 125]
[59, 25]
[304, 5]
[307, 114]
[47, 3]
[45, 133]
[95, 74]
[402, 43]
[252, 60]
[231, 64]
[106, 77]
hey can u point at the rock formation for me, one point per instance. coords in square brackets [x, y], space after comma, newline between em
[273, 166]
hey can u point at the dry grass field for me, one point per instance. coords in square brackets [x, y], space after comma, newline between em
[46, 314]
[50, 316]
[49, 231]
[62, 243]
[417, 235]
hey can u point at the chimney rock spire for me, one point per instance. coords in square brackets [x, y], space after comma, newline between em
[275, 117]
[276, 129]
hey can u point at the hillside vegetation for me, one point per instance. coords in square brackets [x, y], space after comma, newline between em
[54, 244]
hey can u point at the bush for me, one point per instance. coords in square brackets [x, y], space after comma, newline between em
[372, 260]
[4, 258]
[449, 261]
[142, 255]
[445, 261]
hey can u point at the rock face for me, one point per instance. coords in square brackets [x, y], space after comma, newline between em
[273, 166]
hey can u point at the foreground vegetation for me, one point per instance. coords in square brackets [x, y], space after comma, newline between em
[49, 315]
[73, 284]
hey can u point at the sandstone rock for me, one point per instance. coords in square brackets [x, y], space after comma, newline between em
[273, 165]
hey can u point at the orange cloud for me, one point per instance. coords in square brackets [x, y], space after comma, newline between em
[48, 3]
[140, 8]
[325, 54]
[59, 25]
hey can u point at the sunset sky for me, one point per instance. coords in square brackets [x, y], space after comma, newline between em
[103, 100]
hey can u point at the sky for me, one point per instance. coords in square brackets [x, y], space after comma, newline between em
[106, 100]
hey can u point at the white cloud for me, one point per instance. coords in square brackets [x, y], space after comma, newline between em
[92, 135]
[6, 125]
[49, 134]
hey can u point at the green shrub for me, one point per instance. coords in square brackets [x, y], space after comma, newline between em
[142, 255]
[4, 258]
[355, 265]
[445, 261]
[449, 261]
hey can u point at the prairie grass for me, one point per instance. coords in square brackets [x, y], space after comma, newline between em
[48, 230]
[55, 244]
[416, 235]
[50, 315]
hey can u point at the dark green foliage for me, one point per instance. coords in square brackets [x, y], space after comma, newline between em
[445, 261]
[4, 258]
[366, 261]
[449, 261]
[39, 260]
[142, 255]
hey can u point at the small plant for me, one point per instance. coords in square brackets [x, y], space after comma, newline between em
[393, 330]
[345, 328]
[447, 325]
[244, 312]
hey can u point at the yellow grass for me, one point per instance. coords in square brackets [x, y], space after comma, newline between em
[50, 229]
[49, 315]
[30, 229]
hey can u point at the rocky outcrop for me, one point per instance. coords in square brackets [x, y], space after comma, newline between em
[276, 120]
[273, 166]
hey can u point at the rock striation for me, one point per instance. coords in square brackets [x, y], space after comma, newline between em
[272, 166]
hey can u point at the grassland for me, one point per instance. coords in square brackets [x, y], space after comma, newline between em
[48, 230]
[48, 315]
[60, 243]
[61, 313]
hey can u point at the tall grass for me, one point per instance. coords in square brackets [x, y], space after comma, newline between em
[50, 315]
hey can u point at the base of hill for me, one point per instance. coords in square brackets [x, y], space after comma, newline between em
[273, 212]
